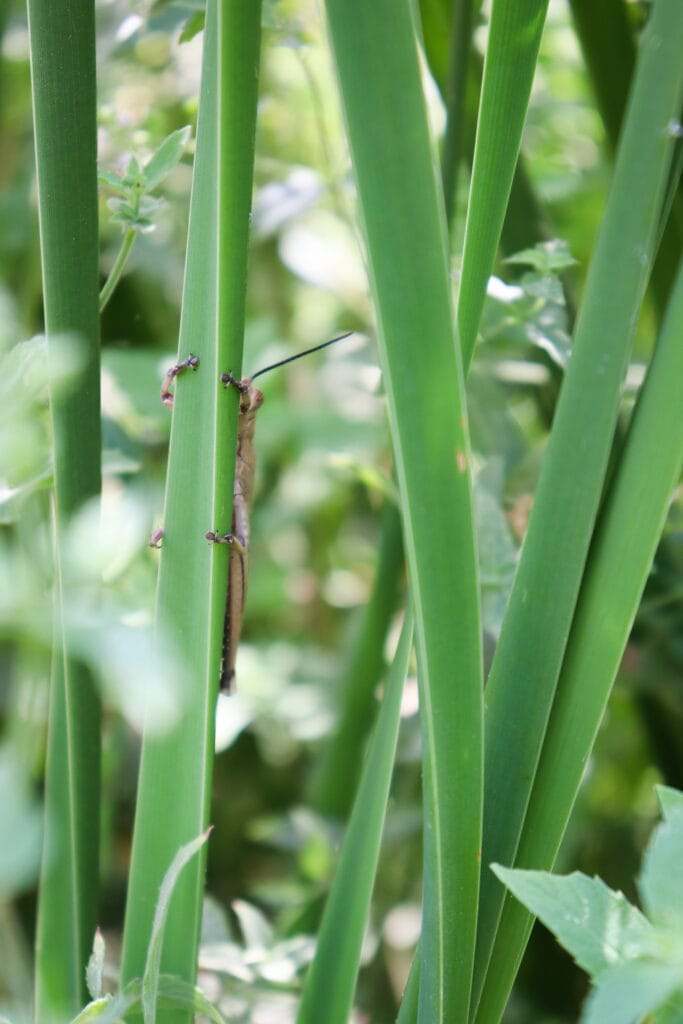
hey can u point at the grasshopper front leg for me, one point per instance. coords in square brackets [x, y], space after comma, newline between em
[234, 606]
[191, 363]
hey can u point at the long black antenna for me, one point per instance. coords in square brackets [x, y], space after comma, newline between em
[299, 355]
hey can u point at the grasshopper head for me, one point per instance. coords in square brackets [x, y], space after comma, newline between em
[251, 399]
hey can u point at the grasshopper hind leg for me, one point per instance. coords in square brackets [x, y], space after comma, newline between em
[234, 605]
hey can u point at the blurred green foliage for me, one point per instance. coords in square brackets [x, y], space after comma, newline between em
[323, 477]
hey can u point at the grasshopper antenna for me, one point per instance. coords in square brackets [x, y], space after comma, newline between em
[299, 355]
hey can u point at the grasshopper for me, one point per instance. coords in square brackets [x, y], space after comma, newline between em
[250, 401]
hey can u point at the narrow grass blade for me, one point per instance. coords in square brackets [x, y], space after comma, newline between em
[331, 981]
[377, 63]
[455, 98]
[534, 636]
[514, 38]
[64, 111]
[620, 558]
[150, 979]
[408, 1010]
[337, 777]
[175, 774]
[606, 36]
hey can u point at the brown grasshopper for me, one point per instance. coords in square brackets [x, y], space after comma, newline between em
[251, 400]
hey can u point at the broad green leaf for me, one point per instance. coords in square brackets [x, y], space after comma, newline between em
[628, 991]
[173, 993]
[193, 26]
[545, 257]
[661, 880]
[670, 800]
[111, 179]
[598, 926]
[165, 158]
[94, 972]
[121, 209]
[104, 1010]
[255, 928]
[133, 172]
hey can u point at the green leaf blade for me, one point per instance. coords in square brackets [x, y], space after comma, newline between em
[175, 772]
[626, 993]
[406, 240]
[523, 679]
[150, 979]
[64, 116]
[598, 926]
[620, 561]
[514, 39]
[165, 157]
[661, 880]
[330, 984]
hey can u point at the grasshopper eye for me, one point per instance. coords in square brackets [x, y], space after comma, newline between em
[243, 385]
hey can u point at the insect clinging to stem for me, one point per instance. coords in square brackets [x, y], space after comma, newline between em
[250, 401]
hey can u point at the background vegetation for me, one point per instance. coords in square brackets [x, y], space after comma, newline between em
[326, 540]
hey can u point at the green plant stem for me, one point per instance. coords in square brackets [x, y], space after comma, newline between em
[455, 98]
[118, 268]
[331, 981]
[408, 1010]
[605, 34]
[175, 772]
[64, 105]
[335, 784]
[514, 39]
[375, 48]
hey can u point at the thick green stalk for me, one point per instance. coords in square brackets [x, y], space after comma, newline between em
[62, 44]
[377, 63]
[532, 644]
[175, 774]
